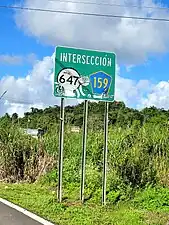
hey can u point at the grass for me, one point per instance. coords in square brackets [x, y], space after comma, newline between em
[42, 201]
[136, 160]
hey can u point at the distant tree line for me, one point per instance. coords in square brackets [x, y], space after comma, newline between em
[119, 115]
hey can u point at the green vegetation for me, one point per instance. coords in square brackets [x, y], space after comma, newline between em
[42, 200]
[138, 165]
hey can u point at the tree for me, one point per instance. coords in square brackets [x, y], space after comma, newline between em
[14, 116]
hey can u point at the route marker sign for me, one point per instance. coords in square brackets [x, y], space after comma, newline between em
[84, 74]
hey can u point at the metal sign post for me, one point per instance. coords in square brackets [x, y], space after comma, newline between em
[105, 152]
[61, 150]
[84, 150]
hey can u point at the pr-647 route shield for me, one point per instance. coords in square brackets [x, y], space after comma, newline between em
[84, 74]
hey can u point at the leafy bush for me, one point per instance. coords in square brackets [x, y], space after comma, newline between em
[22, 157]
[138, 156]
[153, 198]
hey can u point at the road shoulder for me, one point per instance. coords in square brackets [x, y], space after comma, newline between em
[14, 212]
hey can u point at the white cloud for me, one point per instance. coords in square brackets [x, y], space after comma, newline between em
[8, 59]
[17, 59]
[130, 91]
[133, 41]
[129, 68]
[36, 90]
[159, 96]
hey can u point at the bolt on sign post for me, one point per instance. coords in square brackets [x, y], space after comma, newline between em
[88, 75]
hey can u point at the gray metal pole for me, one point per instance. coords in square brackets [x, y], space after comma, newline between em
[105, 152]
[61, 139]
[84, 150]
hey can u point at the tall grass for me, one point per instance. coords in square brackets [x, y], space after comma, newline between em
[137, 157]
[22, 157]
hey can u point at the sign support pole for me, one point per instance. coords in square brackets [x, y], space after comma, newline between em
[61, 139]
[105, 152]
[84, 150]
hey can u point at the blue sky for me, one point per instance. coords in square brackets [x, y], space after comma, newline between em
[144, 47]
[155, 69]
[14, 41]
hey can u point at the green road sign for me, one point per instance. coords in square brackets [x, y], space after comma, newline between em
[84, 74]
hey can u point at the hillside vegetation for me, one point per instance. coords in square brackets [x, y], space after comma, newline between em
[138, 154]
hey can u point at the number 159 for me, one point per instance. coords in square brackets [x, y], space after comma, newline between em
[100, 82]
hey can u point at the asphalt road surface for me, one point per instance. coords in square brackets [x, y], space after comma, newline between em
[10, 216]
